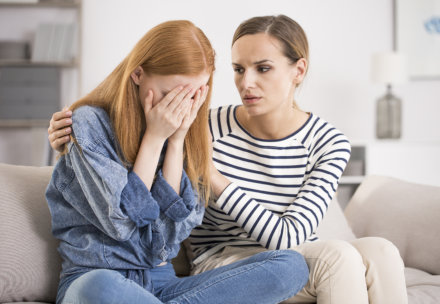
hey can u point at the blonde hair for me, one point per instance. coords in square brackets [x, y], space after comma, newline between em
[170, 48]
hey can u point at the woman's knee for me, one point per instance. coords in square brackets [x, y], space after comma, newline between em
[340, 252]
[377, 248]
[290, 268]
[332, 257]
[95, 284]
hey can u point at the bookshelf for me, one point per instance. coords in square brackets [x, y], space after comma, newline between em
[34, 86]
[353, 175]
[44, 3]
[409, 160]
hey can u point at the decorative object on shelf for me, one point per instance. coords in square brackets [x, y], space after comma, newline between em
[55, 42]
[14, 50]
[388, 68]
[417, 34]
[29, 93]
[18, 1]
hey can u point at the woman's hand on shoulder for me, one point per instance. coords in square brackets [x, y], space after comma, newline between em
[60, 128]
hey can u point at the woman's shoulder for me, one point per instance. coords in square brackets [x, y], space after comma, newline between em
[320, 132]
[220, 120]
[89, 122]
[89, 114]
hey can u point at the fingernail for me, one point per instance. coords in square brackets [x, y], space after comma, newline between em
[69, 121]
[69, 112]
[68, 130]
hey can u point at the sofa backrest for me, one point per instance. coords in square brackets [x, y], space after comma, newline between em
[405, 213]
[29, 261]
[334, 225]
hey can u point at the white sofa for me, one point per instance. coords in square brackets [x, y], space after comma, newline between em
[406, 214]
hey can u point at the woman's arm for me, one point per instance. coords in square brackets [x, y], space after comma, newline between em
[173, 162]
[112, 198]
[301, 218]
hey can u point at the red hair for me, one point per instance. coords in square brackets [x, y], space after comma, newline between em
[170, 48]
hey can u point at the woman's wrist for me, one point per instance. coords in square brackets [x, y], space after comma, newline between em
[153, 139]
[219, 183]
[175, 143]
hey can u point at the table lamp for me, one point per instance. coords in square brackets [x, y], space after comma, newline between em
[388, 68]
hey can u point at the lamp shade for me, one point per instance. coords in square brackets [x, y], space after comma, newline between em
[389, 68]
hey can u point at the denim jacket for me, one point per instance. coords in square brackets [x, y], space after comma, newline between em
[104, 215]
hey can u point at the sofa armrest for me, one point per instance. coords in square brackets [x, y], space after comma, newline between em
[29, 261]
[405, 213]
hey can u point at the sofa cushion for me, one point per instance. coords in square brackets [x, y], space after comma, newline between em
[29, 261]
[405, 213]
[423, 288]
[334, 226]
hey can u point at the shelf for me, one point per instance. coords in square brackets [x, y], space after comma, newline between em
[8, 63]
[47, 3]
[24, 123]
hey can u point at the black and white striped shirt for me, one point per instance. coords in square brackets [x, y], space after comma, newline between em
[280, 189]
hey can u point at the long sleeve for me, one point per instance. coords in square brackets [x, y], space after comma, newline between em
[119, 200]
[280, 189]
[301, 218]
[114, 199]
[176, 207]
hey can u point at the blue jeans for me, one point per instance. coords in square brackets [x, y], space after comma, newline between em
[267, 277]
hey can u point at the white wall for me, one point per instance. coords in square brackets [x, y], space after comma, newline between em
[342, 35]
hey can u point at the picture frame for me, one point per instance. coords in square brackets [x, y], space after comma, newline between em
[417, 36]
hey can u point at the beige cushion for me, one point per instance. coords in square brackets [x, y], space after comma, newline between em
[423, 288]
[334, 226]
[29, 261]
[405, 213]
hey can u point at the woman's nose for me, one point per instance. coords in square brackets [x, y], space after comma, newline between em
[248, 80]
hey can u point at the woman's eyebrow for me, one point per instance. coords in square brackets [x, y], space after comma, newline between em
[263, 61]
[256, 62]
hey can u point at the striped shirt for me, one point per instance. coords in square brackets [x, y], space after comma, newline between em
[280, 189]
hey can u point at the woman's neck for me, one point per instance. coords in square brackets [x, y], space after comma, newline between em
[275, 125]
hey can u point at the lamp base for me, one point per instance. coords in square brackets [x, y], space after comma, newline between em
[388, 116]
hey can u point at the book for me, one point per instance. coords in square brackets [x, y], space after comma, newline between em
[55, 42]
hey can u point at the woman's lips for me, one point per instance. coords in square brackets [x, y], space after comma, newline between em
[250, 99]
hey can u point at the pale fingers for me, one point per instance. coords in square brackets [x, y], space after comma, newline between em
[59, 143]
[59, 133]
[164, 102]
[185, 105]
[199, 100]
[65, 113]
[60, 120]
[196, 104]
[178, 102]
[186, 114]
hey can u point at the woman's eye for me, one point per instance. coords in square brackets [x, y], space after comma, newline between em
[263, 69]
[238, 70]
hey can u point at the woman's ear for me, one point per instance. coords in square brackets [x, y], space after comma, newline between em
[301, 69]
[137, 75]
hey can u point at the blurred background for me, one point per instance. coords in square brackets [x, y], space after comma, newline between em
[53, 52]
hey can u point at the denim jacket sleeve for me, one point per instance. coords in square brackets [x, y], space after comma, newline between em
[119, 199]
[176, 207]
